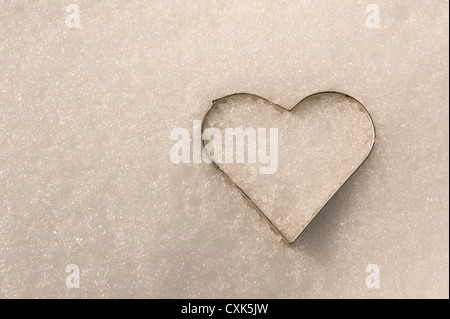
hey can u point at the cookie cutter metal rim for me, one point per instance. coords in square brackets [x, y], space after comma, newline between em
[272, 225]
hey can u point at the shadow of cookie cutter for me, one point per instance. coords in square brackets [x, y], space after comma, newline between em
[272, 225]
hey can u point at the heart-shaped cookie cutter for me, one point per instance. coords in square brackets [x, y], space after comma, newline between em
[272, 225]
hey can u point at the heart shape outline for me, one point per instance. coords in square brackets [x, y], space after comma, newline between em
[247, 197]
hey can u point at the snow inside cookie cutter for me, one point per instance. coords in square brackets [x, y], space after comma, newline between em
[247, 197]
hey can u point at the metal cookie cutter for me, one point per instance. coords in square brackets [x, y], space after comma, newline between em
[246, 196]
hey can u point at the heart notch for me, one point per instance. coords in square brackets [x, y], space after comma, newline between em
[288, 163]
